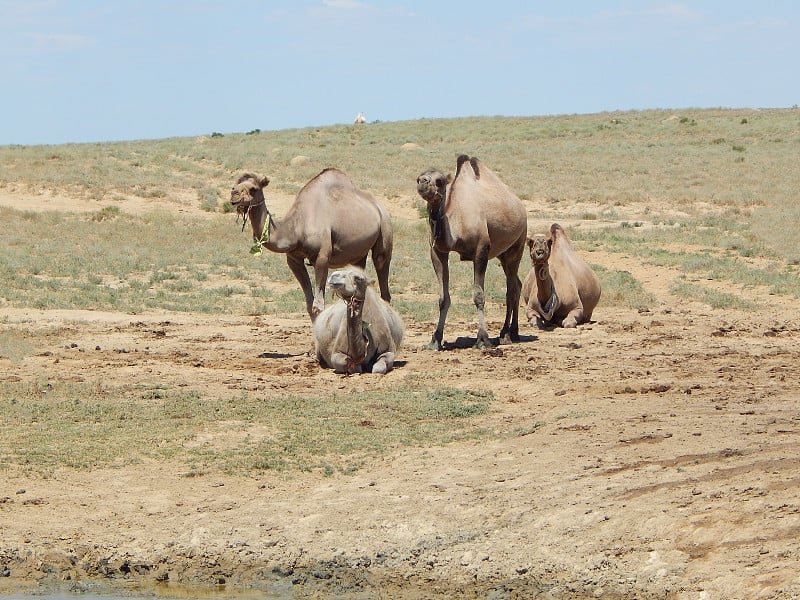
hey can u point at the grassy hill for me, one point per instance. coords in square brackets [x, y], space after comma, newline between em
[720, 183]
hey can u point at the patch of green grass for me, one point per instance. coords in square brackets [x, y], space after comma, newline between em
[14, 345]
[710, 296]
[778, 227]
[620, 288]
[49, 425]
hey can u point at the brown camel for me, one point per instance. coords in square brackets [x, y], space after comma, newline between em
[477, 216]
[330, 224]
[560, 287]
[360, 333]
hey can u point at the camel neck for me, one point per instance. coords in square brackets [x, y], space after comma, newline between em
[263, 225]
[545, 291]
[436, 219]
[356, 340]
[544, 282]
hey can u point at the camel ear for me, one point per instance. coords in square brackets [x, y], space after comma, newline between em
[260, 180]
[449, 179]
[529, 242]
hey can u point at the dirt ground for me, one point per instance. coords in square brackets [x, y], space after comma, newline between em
[660, 459]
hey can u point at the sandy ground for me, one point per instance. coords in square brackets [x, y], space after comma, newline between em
[660, 458]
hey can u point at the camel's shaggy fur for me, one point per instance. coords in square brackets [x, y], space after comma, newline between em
[331, 224]
[359, 333]
[477, 216]
[560, 287]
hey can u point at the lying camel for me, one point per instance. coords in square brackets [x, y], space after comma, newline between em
[330, 224]
[477, 216]
[360, 333]
[560, 287]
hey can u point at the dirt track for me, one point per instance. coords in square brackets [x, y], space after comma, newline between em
[660, 458]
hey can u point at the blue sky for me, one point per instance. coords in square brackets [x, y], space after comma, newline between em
[91, 70]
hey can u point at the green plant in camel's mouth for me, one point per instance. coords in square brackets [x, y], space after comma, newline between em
[255, 249]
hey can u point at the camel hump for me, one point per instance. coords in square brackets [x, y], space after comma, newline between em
[459, 163]
[327, 176]
[473, 161]
[559, 237]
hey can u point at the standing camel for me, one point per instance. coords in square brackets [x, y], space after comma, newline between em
[331, 223]
[477, 216]
[360, 333]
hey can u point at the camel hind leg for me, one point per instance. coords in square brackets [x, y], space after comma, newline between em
[381, 261]
[298, 268]
[510, 260]
[382, 257]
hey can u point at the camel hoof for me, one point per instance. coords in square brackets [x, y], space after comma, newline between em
[483, 343]
[433, 345]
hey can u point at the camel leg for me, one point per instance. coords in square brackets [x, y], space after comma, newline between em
[381, 262]
[320, 281]
[510, 260]
[574, 317]
[442, 270]
[384, 363]
[301, 274]
[479, 298]
[340, 363]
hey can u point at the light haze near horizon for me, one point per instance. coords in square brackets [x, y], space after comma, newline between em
[98, 70]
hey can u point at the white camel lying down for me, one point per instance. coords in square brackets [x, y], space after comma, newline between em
[359, 333]
[560, 287]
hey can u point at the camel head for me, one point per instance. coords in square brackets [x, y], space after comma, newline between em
[248, 191]
[539, 246]
[432, 185]
[349, 283]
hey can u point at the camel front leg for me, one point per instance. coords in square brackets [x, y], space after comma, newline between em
[442, 269]
[298, 268]
[340, 363]
[479, 297]
[384, 363]
[574, 317]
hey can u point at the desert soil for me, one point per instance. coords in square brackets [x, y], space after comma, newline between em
[659, 457]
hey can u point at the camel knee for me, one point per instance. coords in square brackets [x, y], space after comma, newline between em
[572, 319]
[384, 363]
[340, 363]
[479, 298]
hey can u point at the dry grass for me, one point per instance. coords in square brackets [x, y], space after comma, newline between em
[721, 184]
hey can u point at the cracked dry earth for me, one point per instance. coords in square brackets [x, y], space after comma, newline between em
[656, 455]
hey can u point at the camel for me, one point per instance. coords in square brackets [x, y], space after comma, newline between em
[360, 333]
[331, 224]
[477, 216]
[560, 287]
